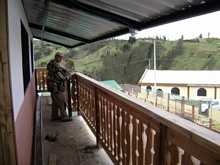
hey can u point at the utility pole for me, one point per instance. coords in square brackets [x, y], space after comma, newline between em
[155, 71]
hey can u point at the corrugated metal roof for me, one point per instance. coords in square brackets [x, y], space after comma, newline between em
[76, 22]
[190, 77]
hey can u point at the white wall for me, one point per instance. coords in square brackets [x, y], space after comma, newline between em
[192, 91]
[16, 15]
[210, 93]
[167, 89]
[218, 93]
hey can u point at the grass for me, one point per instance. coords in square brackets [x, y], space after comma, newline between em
[207, 47]
[196, 56]
[89, 62]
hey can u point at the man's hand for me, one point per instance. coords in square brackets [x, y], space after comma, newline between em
[69, 77]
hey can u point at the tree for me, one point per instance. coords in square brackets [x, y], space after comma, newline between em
[37, 55]
[70, 65]
[126, 47]
[164, 38]
[182, 37]
[43, 63]
[47, 51]
[131, 40]
[94, 74]
[71, 53]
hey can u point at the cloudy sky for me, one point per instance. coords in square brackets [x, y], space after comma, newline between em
[189, 28]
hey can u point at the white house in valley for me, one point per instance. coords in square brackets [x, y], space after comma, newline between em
[193, 84]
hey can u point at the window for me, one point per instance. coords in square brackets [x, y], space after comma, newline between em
[160, 93]
[148, 88]
[175, 91]
[201, 92]
[25, 56]
[32, 56]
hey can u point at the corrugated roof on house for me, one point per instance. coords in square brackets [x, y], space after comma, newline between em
[113, 84]
[73, 23]
[181, 76]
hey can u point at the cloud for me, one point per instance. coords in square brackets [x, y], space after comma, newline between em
[189, 28]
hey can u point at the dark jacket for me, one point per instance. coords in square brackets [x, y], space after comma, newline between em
[56, 77]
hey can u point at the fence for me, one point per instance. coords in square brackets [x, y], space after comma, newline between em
[184, 107]
[133, 132]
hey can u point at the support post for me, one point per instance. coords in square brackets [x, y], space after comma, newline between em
[8, 155]
[69, 98]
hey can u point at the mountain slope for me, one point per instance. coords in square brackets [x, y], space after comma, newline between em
[125, 61]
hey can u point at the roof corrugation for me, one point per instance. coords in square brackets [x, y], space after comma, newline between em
[76, 22]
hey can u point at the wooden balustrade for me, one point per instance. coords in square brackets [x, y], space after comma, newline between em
[133, 132]
[41, 79]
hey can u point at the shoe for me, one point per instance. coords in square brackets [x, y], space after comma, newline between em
[66, 119]
[50, 138]
[57, 118]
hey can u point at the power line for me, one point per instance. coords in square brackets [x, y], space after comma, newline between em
[119, 65]
[93, 62]
[130, 75]
[158, 59]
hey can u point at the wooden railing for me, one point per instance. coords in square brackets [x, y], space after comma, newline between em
[41, 79]
[134, 132]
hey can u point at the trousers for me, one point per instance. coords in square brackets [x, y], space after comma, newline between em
[58, 103]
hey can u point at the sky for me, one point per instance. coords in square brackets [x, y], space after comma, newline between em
[190, 28]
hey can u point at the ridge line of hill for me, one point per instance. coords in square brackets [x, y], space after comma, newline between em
[126, 60]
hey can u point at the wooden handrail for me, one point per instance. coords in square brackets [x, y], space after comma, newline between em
[134, 132]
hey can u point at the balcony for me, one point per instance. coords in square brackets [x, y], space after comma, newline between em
[126, 129]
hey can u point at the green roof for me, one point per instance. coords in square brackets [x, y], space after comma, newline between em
[113, 84]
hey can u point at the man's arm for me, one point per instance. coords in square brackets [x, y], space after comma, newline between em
[60, 75]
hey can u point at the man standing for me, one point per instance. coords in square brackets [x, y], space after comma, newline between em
[56, 77]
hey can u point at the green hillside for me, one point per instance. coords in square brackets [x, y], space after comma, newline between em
[125, 61]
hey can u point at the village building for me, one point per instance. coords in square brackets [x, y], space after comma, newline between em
[192, 84]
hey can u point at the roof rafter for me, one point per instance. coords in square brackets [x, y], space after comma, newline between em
[59, 33]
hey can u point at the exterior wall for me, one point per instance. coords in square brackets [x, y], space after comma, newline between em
[167, 89]
[218, 93]
[23, 104]
[24, 125]
[210, 91]
[16, 15]
[193, 93]
[183, 91]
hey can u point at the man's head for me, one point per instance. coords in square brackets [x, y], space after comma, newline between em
[58, 57]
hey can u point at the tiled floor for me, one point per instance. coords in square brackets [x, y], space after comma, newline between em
[73, 138]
